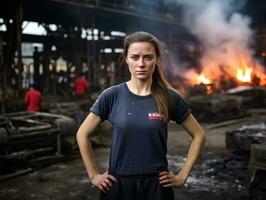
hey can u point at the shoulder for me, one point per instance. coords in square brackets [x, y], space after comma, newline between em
[180, 108]
[178, 99]
[113, 90]
[38, 93]
[175, 95]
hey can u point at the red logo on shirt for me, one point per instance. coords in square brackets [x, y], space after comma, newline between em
[156, 116]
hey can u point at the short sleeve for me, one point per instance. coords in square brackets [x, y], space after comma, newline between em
[179, 108]
[104, 104]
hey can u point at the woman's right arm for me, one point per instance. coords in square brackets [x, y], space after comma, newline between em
[101, 181]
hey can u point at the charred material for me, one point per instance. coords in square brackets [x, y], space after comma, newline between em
[247, 145]
[239, 141]
[216, 107]
[31, 140]
[78, 111]
[252, 96]
[257, 172]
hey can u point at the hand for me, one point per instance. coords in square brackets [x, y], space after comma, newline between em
[168, 179]
[103, 181]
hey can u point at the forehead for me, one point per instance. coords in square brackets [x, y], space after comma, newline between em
[141, 47]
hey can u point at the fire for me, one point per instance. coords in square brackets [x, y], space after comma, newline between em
[219, 78]
[203, 79]
[244, 75]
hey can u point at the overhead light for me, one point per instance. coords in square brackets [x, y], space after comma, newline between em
[107, 50]
[3, 27]
[53, 27]
[89, 37]
[33, 28]
[118, 33]
[107, 37]
[53, 48]
[119, 50]
[83, 33]
[95, 31]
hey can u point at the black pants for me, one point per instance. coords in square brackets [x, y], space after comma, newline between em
[140, 187]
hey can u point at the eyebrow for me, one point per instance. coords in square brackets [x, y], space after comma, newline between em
[148, 54]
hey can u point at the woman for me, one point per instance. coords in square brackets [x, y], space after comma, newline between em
[139, 111]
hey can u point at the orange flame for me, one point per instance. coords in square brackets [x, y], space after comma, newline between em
[203, 79]
[244, 75]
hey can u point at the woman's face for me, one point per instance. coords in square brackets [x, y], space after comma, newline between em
[141, 59]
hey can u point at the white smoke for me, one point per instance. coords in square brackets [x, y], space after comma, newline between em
[224, 33]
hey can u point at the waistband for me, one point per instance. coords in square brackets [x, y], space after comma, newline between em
[146, 175]
[139, 175]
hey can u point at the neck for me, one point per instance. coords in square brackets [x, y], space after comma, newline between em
[140, 87]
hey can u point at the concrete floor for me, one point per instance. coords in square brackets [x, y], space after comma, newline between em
[68, 180]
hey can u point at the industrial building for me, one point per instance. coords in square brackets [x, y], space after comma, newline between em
[215, 57]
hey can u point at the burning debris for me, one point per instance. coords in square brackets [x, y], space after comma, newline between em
[226, 58]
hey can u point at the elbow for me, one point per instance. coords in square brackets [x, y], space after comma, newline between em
[202, 138]
[82, 136]
[79, 136]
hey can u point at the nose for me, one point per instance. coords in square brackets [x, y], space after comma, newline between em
[141, 62]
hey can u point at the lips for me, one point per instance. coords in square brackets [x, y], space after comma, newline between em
[141, 72]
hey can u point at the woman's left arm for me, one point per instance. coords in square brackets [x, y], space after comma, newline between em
[168, 179]
[198, 139]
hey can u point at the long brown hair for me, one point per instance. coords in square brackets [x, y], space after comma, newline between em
[160, 87]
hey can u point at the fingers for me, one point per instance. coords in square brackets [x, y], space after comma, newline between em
[105, 187]
[105, 182]
[167, 179]
[100, 187]
[164, 175]
[112, 178]
[169, 182]
[169, 185]
[108, 182]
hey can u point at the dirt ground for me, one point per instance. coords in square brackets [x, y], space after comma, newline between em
[68, 180]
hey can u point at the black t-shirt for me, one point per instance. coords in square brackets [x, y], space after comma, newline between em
[139, 142]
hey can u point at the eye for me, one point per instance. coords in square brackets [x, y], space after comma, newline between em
[134, 57]
[148, 57]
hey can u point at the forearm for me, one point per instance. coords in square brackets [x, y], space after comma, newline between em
[193, 155]
[85, 130]
[87, 155]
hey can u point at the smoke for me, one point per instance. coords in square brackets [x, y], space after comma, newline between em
[224, 34]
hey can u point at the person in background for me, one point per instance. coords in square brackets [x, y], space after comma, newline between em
[33, 99]
[140, 110]
[81, 85]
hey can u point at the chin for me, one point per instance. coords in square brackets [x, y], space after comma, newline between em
[142, 77]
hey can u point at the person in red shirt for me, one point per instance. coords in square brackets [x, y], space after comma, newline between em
[33, 99]
[81, 86]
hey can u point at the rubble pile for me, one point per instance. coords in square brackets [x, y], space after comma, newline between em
[32, 140]
[247, 145]
[216, 107]
[211, 176]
